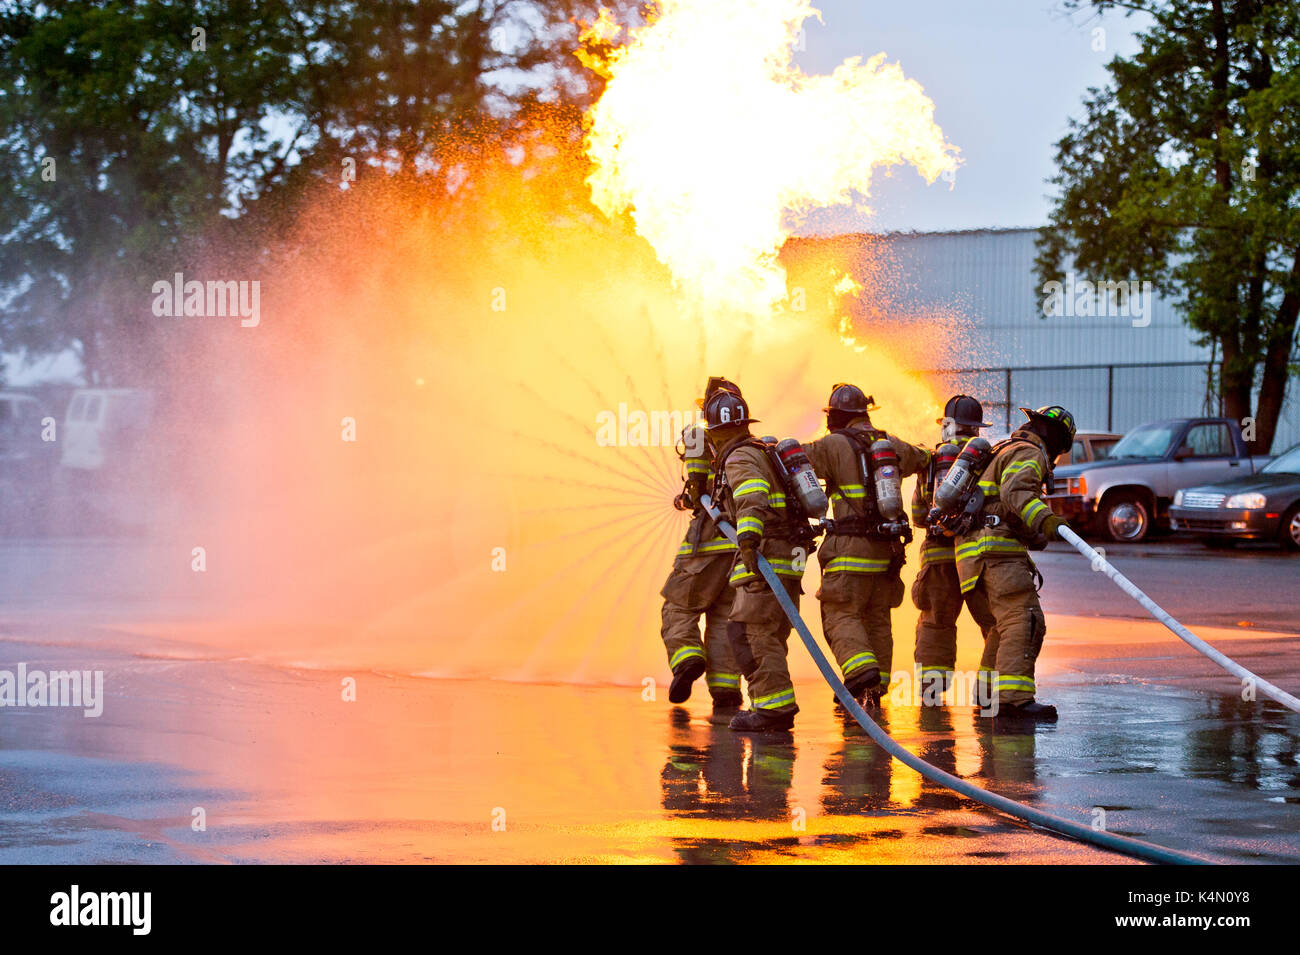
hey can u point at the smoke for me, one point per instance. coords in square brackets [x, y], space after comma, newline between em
[447, 448]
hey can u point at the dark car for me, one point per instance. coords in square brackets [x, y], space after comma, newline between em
[1263, 506]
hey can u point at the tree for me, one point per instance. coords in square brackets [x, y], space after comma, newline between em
[1185, 171]
[177, 127]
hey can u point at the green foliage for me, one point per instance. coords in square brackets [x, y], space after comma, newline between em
[1185, 171]
[165, 141]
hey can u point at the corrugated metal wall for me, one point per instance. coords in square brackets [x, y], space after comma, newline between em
[988, 279]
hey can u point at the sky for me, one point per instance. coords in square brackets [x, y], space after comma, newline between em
[1005, 77]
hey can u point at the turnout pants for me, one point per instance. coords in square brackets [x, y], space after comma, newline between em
[936, 592]
[758, 632]
[1006, 592]
[698, 587]
[856, 620]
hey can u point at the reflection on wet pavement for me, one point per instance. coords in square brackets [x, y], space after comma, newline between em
[1215, 776]
[423, 770]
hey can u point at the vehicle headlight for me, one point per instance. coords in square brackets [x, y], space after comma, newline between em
[1076, 485]
[1178, 497]
[1249, 502]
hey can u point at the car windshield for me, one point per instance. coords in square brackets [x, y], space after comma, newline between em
[1288, 462]
[1148, 441]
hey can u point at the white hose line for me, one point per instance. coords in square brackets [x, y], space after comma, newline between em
[1191, 639]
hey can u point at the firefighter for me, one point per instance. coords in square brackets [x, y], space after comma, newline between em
[936, 592]
[863, 553]
[698, 583]
[750, 489]
[997, 575]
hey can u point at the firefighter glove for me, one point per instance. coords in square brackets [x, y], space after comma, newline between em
[1052, 527]
[694, 491]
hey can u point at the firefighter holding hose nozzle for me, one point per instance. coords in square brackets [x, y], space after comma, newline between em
[1000, 518]
[936, 592]
[698, 583]
[755, 492]
[864, 550]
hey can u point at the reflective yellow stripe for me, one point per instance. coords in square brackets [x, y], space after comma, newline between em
[752, 486]
[989, 488]
[697, 467]
[850, 492]
[938, 554]
[857, 565]
[685, 653]
[712, 547]
[858, 661]
[774, 701]
[989, 545]
[724, 680]
[1032, 510]
[969, 583]
[1019, 466]
[783, 568]
[749, 525]
[715, 546]
[1024, 683]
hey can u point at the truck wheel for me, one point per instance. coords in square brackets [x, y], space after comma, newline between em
[1125, 518]
[1289, 532]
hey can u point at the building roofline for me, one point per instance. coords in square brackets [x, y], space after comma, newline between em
[907, 233]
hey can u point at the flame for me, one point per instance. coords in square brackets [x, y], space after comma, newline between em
[714, 141]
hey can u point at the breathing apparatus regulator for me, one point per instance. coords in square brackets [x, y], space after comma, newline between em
[958, 499]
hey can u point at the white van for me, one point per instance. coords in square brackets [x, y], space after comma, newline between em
[103, 425]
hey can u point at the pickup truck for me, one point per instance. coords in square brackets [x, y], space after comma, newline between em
[1126, 495]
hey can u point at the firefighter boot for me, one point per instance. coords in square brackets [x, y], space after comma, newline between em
[1031, 710]
[860, 686]
[726, 703]
[932, 690]
[762, 721]
[687, 672]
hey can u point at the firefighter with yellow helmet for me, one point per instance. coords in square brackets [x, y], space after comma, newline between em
[936, 592]
[864, 550]
[698, 584]
[749, 486]
[996, 573]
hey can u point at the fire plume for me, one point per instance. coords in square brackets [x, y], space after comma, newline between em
[714, 140]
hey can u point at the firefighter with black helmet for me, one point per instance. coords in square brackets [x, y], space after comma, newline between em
[993, 563]
[698, 583]
[863, 553]
[750, 490]
[936, 592]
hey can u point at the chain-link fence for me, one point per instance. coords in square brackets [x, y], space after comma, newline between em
[1113, 397]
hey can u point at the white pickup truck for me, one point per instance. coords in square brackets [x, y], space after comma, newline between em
[1128, 494]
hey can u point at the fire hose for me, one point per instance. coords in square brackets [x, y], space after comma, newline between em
[1191, 639]
[1055, 824]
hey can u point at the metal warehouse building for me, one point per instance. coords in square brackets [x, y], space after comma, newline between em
[1112, 373]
